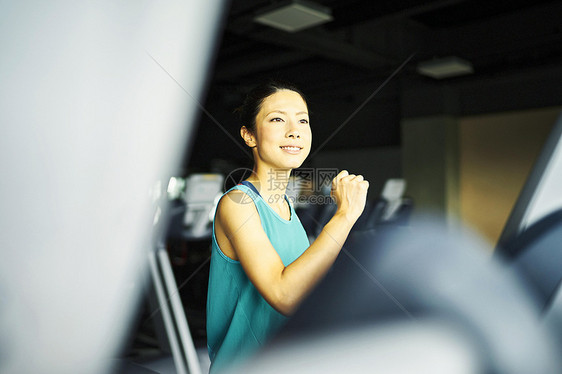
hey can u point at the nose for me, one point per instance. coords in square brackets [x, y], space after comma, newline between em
[293, 132]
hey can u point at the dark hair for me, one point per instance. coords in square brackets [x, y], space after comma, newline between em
[254, 100]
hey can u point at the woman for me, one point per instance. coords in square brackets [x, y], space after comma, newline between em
[262, 264]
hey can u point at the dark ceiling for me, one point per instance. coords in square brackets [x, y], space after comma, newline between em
[342, 63]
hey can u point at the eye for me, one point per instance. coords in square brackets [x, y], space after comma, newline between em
[276, 119]
[304, 121]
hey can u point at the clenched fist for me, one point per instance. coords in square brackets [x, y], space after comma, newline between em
[350, 193]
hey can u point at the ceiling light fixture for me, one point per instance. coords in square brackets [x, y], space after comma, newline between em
[446, 67]
[294, 16]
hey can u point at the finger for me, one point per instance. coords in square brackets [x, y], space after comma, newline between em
[348, 178]
[342, 174]
[358, 178]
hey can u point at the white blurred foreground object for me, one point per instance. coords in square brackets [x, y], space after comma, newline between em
[97, 101]
[421, 347]
[540, 196]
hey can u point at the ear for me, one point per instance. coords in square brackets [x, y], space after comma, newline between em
[248, 137]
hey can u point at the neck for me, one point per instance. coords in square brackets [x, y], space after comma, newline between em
[272, 183]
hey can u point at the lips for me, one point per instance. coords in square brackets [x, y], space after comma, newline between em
[292, 149]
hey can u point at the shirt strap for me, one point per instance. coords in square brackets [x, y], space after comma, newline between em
[250, 186]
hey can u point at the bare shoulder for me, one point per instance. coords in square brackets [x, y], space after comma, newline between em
[234, 208]
[237, 224]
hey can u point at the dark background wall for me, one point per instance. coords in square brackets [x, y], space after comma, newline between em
[371, 111]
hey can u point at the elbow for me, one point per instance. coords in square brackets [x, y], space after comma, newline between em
[287, 309]
[284, 303]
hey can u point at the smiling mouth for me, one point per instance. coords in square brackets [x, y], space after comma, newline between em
[291, 148]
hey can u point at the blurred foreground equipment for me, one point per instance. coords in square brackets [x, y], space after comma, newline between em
[423, 289]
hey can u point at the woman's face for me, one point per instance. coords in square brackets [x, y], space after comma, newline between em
[283, 137]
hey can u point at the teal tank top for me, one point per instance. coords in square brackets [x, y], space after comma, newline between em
[239, 320]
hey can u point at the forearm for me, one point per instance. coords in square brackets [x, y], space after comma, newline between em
[300, 277]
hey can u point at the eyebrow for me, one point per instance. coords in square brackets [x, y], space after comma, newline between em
[285, 113]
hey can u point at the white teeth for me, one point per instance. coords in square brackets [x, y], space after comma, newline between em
[291, 148]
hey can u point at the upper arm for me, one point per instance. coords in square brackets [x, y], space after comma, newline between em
[240, 222]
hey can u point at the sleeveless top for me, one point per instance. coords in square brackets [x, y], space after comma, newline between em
[239, 320]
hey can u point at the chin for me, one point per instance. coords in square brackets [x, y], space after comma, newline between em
[296, 165]
[297, 162]
[291, 163]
